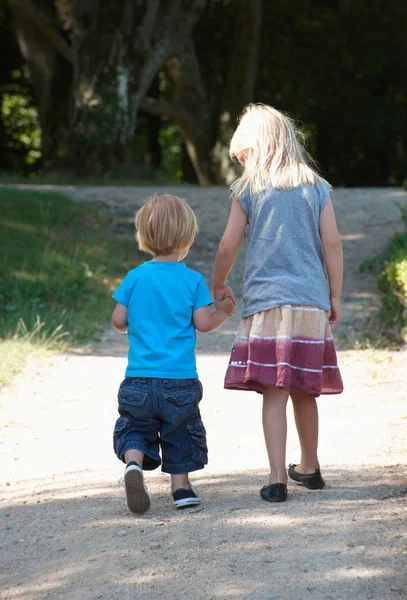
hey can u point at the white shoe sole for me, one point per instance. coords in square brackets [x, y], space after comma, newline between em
[137, 497]
[187, 502]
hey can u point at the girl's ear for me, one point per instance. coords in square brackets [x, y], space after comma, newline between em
[242, 155]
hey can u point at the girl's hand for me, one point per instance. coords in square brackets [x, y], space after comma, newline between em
[226, 305]
[335, 314]
[224, 292]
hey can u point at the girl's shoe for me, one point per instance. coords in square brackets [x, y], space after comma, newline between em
[186, 497]
[312, 481]
[275, 492]
[137, 496]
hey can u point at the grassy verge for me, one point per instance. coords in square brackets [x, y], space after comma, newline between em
[59, 262]
[389, 324]
[156, 178]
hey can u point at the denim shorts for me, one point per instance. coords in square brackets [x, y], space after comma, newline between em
[162, 413]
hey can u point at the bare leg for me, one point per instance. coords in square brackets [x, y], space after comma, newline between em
[306, 420]
[179, 481]
[275, 431]
[134, 455]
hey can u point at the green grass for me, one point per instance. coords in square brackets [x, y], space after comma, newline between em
[59, 262]
[389, 324]
[156, 178]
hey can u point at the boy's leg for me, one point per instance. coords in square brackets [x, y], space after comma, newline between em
[275, 431]
[135, 439]
[179, 481]
[182, 437]
[306, 420]
[134, 456]
[183, 492]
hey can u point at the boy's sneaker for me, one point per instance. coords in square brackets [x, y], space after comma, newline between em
[137, 496]
[186, 497]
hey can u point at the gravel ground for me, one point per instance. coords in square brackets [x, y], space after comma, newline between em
[66, 532]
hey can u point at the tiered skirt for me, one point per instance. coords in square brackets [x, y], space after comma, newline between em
[290, 347]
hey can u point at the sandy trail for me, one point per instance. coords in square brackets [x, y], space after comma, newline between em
[66, 532]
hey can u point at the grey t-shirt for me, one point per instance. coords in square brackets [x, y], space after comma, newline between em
[285, 263]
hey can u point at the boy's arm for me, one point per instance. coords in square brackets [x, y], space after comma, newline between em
[332, 248]
[119, 318]
[228, 249]
[208, 319]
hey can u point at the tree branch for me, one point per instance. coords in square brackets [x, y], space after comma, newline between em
[193, 10]
[47, 26]
[160, 108]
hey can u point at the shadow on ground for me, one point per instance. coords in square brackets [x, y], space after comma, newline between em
[345, 542]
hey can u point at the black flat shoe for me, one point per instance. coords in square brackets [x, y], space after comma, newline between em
[275, 492]
[312, 481]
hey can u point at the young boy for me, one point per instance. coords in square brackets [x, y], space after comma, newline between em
[161, 303]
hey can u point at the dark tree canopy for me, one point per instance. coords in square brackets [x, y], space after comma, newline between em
[115, 85]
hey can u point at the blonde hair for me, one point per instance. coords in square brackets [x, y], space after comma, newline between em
[276, 158]
[165, 224]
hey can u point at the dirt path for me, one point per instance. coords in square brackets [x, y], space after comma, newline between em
[65, 529]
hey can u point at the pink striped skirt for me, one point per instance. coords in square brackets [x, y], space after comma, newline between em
[288, 346]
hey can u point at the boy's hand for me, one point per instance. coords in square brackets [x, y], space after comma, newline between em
[226, 305]
[335, 314]
[224, 292]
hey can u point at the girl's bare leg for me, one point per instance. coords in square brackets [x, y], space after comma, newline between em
[306, 420]
[275, 431]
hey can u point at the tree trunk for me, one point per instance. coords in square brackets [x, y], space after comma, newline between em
[118, 49]
[240, 84]
[50, 72]
[207, 136]
[153, 131]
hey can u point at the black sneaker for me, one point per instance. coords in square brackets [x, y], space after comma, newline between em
[137, 496]
[186, 497]
[275, 492]
[312, 481]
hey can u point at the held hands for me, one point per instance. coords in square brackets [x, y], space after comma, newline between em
[335, 314]
[226, 305]
[224, 292]
[225, 300]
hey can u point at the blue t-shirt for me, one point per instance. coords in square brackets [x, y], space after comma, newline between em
[285, 263]
[161, 298]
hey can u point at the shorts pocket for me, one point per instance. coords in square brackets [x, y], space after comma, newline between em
[199, 445]
[180, 397]
[120, 429]
[132, 397]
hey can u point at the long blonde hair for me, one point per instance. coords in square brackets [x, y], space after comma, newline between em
[275, 156]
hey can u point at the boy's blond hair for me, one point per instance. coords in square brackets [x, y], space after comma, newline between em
[165, 224]
[276, 157]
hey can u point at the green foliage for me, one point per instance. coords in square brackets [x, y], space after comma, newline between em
[59, 262]
[391, 267]
[170, 141]
[20, 123]
[338, 67]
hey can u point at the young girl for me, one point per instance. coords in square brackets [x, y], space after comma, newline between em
[291, 291]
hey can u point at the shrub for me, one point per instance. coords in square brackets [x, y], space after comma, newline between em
[391, 267]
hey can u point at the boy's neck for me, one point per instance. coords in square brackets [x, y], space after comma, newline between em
[174, 257]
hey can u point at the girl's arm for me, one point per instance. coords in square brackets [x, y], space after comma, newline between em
[228, 249]
[332, 248]
[119, 318]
